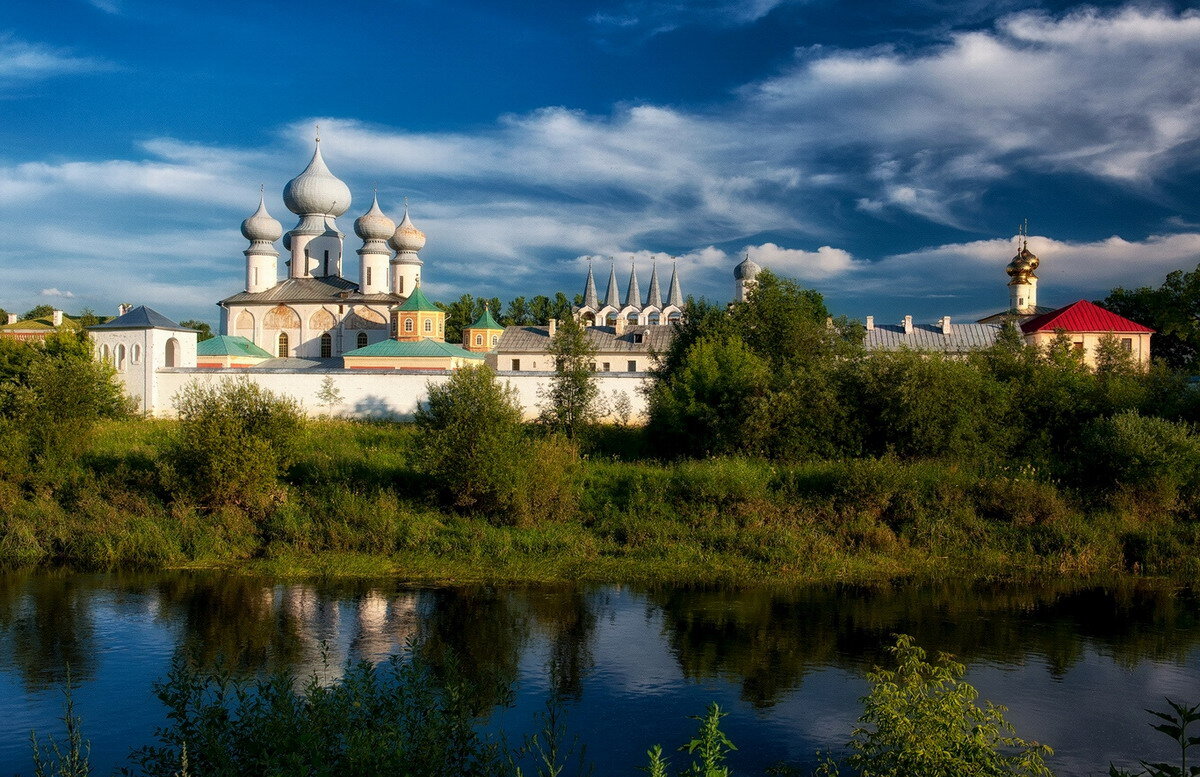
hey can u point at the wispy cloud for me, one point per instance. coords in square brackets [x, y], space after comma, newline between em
[646, 18]
[22, 61]
[55, 292]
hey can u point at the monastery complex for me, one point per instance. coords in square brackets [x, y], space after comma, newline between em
[370, 348]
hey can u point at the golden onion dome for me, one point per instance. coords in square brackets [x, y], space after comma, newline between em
[1023, 264]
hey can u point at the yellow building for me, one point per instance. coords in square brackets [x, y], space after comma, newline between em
[418, 318]
[483, 334]
[1085, 325]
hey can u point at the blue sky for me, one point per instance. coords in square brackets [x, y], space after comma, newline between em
[883, 153]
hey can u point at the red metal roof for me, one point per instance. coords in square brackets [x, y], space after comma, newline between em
[1082, 316]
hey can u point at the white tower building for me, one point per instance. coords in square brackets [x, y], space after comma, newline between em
[375, 229]
[1022, 289]
[406, 266]
[318, 197]
[744, 278]
[262, 260]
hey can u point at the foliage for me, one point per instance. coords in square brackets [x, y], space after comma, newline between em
[329, 394]
[921, 718]
[202, 327]
[39, 311]
[394, 718]
[233, 442]
[464, 312]
[471, 439]
[1172, 310]
[1147, 456]
[1175, 726]
[569, 401]
[70, 759]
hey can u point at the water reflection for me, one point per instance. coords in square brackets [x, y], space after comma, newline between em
[765, 644]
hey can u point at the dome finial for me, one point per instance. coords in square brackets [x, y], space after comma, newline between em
[318, 133]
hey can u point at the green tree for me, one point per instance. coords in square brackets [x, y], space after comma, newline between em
[88, 317]
[202, 327]
[329, 394]
[704, 405]
[41, 311]
[921, 719]
[517, 313]
[1172, 310]
[471, 439]
[569, 400]
[459, 314]
[233, 443]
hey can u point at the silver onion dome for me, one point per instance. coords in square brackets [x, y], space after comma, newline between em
[261, 226]
[374, 224]
[316, 190]
[746, 270]
[407, 237]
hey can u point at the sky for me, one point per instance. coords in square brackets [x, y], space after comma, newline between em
[884, 154]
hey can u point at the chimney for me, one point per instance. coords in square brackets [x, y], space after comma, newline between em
[12, 318]
[908, 325]
[945, 325]
[553, 326]
[870, 323]
[620, 327]
[57, 317]
[124, 308]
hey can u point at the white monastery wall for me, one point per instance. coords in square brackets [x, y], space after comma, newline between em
[392, 394]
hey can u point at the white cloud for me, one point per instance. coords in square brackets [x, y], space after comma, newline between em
[24, 61]
[648, 18]
[55, 292]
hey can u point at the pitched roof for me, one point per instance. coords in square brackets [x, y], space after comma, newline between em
[414, 348]
[324, 289]
[418, 301]
[142, 317]
[485, 321]
[45, 323]
[536, 339]
[929, 337]
[1082, 316]
[230, 345]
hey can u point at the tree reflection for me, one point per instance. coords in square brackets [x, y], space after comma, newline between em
[47, 627]
[566, 615]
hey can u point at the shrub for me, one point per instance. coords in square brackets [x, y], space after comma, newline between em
[1152, 461]
[233, 442]
[921, 718]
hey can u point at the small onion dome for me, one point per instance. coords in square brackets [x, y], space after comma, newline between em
[407, 236]
[1023, 264]
[746, 270]
[316, 190]
[374, 224]
[261, 226]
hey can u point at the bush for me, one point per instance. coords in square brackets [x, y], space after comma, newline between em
[232, 444]
[1153, 462]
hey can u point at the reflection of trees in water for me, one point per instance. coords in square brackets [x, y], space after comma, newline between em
[46, 626]
[771, 639]
[477, 633]
[566, 616]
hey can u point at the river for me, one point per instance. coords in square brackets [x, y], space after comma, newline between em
[1075, 664]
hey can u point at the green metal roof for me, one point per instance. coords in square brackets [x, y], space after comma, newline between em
[414, 348]
[418, 301]
[485, 321]
[230, 345]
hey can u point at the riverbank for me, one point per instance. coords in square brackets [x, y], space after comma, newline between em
[354, 504]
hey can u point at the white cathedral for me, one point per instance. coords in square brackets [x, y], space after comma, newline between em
[316, 312]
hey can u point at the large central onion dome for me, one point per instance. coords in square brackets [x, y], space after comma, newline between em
[1023, 264]
[746, 270]
[316, 190]
[261, 226]
[407, 237]
[374, 224]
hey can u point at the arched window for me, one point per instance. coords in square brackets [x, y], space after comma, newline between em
[408, 325]
[493, 340]
[362, 339]
[478, 339]
[104, 353]
[429, 325]
[120, 358]
[136, 357]
[632, 318]
[172, 353]
[652, 319]
[612, 319]
[326, 345]
[282, 350]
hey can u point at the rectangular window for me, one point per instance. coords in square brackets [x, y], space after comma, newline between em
[1127, 344]
[1078, 347]
[368, 276]
[633, 366]
[400, 280]
[516, 365]
[593, 366]
[605, 367]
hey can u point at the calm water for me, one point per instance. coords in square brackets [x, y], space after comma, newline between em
[1075, 666]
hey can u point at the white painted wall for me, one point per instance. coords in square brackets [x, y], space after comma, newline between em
[391, 394]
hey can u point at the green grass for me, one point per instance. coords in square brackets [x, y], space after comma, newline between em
[353, 505]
